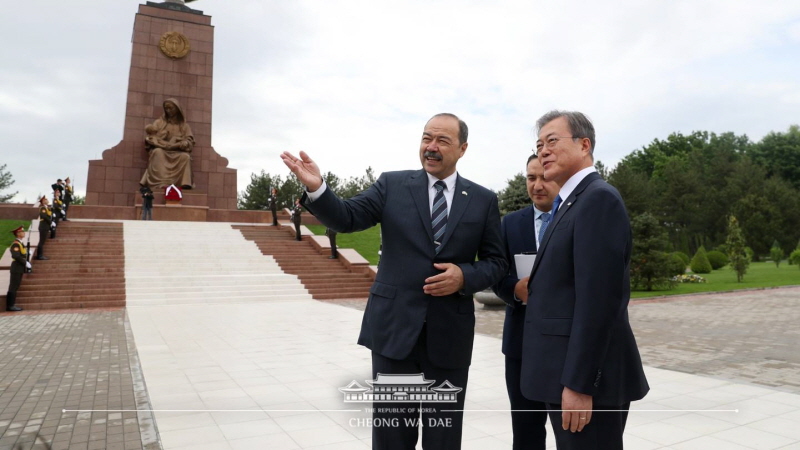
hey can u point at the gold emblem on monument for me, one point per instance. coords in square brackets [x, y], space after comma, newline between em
[173, 44]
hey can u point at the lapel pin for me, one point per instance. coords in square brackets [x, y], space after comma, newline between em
[569, 204]
[463, 192]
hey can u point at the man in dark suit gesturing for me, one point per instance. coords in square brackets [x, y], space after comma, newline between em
[420, 317]
[520, 230]
[579, 353]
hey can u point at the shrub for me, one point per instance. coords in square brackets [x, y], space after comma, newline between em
[684, 257]
[794, 258]
[717, 259]
[676, 264]
[700, 262]
[776, 253]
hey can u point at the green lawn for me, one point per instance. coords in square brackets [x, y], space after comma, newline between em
[6, 238]
[366, 242]
[759, 274]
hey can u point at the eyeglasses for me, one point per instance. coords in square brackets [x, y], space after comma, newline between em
[551, 142]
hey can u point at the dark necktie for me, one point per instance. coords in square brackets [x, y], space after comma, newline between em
[546, 220]
[439, 214]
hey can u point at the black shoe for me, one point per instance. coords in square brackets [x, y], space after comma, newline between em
[42, 258]
[14, 308]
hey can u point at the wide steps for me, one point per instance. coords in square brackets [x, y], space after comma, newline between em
[200, 263]
[86, 269]
[325, 279]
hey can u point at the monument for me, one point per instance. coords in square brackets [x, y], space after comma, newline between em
[172, 63]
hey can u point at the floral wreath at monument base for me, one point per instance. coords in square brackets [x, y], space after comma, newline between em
[173, 194]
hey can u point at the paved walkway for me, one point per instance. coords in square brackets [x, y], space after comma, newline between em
[266, 375]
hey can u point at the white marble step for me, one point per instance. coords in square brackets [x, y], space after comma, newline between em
[200, 263]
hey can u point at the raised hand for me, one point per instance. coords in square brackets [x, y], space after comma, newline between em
[305, 169]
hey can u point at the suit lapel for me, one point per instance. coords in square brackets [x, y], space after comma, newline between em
[418, 188]
[525, 232]
[563, 210]
[461, 199]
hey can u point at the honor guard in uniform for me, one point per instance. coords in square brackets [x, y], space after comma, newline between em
[45, 225]
[273, 206]
[58, 211]
[296, 211]
[19, 265]
[69, 195]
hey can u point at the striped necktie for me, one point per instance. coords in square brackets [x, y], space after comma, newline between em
[439, 214]
[548, 217]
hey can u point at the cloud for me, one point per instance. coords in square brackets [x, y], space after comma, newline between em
[353, 82]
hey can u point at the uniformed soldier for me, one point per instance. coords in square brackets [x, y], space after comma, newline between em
[58, 211]
[45, 225]
[19, 255]
[296, 211]
[273, 206]
[69, 196]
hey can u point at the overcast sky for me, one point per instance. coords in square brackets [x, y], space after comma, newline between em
[353, 82]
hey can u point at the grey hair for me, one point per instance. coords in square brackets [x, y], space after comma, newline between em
[579, 125]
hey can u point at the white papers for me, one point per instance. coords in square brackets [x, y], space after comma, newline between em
[524, 265]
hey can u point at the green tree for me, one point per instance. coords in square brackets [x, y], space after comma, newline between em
[700, 262]
[356, 185]
[6, 180]
[776, 253]
[602, 170]
[650, 263]
[514, 196]
[634, 187]
[779, 153]
[78, 200]
[256, 194]
[676, 264]
[794, 257]
[737, 249]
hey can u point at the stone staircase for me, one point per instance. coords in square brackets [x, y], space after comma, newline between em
[325, 279]
[168, 263]
[86, 269]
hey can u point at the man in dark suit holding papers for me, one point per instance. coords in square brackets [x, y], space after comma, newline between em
[520, 230]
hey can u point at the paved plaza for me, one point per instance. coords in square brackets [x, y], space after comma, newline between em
[266, 375]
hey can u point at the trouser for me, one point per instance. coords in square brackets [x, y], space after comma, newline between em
[13, 284]
[297, 231]
[40, 247]
[274, 217]
[334, 251]
[528, 417]
[604, 432]
[441, 422]
[66, 209]
[147, 213]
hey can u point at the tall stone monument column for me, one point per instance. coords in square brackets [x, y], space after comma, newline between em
[172, 57]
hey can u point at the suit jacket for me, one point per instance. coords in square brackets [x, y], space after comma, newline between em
[519, 235]
[397, 306]
[577, 332]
